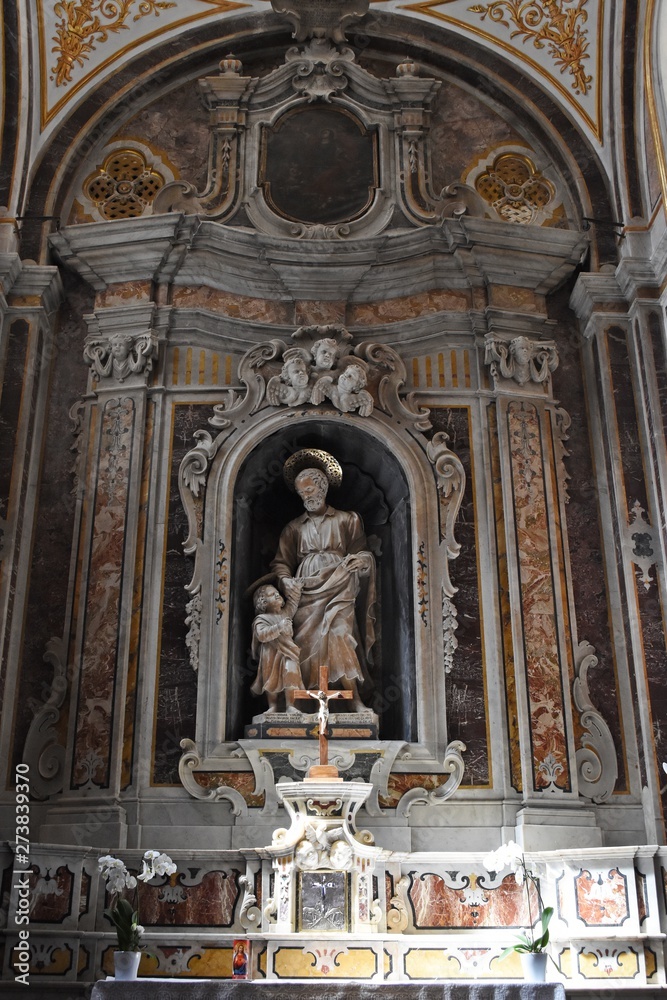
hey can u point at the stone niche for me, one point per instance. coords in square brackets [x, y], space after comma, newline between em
[375, 486]
[407, 487]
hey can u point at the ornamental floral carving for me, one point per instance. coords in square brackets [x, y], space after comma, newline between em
[556, 25]
[321, 368]
[521, 360]
[516, 190]
[124, 186]
[120, 356]
[85, 24]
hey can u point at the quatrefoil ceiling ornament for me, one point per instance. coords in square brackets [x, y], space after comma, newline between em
[124, 186]
[515, 189]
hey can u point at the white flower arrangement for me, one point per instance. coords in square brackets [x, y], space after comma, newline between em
[510, 856]
[122, 913]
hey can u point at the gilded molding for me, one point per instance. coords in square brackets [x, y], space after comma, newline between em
[85, 24]
[554, 24]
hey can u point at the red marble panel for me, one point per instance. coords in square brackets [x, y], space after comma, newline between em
[642, 896]
[399, 784]
[206, 901]
[602, 899]
[98, 664]
[50, 894]
[438, 905]
[243, 781]
[540, 628]
[84, 901]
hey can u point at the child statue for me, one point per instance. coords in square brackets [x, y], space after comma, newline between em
[273, 645]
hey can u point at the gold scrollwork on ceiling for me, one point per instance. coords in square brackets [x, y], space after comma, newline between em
[556, 24]
[85, 23]
[124, 186]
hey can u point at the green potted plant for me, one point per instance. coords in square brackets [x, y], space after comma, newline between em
[531, 945]
[124, 912]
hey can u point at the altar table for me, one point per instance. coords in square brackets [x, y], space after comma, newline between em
[227, 989]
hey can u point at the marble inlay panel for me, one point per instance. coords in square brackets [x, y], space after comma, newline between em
[237, 306]
[137, 601]
[608, 962]
[584, 533]
[242, 781]
[190, 900]
[513, 741]
[98, 664]
[540, 627]
[648, 603]
[466, 690]
[469, 902]
[602, 897]
[50, 894]
[177, 681]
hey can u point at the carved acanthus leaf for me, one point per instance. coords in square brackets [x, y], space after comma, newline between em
[193, 620]
[596, 760]
[194, 466]
[449, 625]
[76, 414]
[250, 916]
[451, 481]
[398, 913]
[563, 423]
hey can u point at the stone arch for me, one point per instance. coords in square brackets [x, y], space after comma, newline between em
[378, 447]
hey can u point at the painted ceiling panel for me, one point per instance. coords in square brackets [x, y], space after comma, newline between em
[81, 40]
[557, 42]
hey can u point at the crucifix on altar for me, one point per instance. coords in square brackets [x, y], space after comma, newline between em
[324, 769]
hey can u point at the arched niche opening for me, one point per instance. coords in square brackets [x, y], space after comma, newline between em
[375, 486]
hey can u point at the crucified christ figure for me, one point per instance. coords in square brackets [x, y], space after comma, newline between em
[323, 697]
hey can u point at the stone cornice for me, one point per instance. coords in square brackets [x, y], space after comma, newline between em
[457, 254]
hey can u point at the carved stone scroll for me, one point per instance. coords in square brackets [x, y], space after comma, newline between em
[189, 762]
[453, 765]
[325, 20]
[43, 750]
[596, 760]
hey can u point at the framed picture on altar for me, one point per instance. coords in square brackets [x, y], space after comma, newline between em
[241, 958]
[323, 901]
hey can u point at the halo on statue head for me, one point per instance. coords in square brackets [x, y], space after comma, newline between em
[312, 458]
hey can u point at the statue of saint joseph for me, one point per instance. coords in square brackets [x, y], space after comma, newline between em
[323, 561]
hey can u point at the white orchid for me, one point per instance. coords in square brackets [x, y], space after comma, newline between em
[511, 856]
[122, 913]
[154, 864]
[115, 874]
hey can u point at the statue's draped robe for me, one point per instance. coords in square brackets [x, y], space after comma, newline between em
[327, 630]
[277, 653]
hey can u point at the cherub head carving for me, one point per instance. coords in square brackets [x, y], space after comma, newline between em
[295, 370]
[325, 353]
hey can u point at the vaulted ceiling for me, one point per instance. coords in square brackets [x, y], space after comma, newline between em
[585, 73]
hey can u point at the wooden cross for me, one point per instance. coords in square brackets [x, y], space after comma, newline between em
[324, 769]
